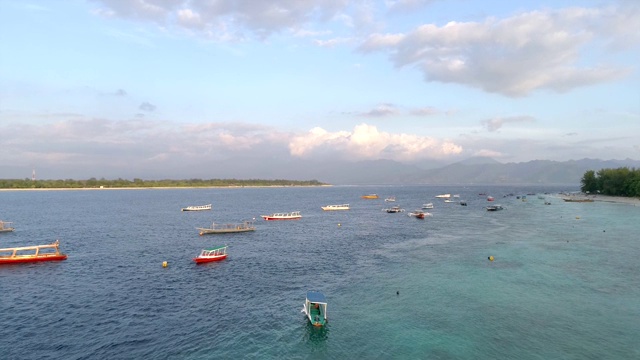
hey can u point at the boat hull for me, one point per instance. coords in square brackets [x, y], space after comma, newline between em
[21, 259]
[269, 218]
[223, 231]
[202, 260]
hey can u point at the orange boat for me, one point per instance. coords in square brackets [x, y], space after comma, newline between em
[25, 254]
[370, 196]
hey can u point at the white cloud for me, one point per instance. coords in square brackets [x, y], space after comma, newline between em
[367, 142]
[512, 56]
[496, 123]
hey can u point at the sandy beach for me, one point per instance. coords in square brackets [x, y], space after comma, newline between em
[603, 198]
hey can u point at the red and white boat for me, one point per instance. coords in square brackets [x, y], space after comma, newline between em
[490, 198]
[211, 255]
[419, 214]
[295, 215]
[27, 254]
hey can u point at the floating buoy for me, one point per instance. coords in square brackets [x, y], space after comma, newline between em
[339, 224]
[490, 258]
[201, 233]
[578, 217]
[397, 292]
[165, 264]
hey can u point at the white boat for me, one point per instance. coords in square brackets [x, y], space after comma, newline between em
[390, 199]
[494, 208]
[449, 200]
[5, 226]
[443, 196]
[227, 228]
[315, 308]
[336, 207]
[427, 206]
[197, 208]
[394, 209]
[295, 215]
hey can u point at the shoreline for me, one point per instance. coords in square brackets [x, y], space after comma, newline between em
[164, 187]
[603, 198]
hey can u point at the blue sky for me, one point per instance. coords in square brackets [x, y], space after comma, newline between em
[117, 88]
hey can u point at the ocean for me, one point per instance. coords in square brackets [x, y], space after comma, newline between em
[563, 283]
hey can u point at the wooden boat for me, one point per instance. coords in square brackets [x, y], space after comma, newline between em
[315, 307]
[211, 255]
[245, 226]
[295, 215]
[26, 254]
[370, 196]
[5, 226]
[419, 214]
[394, 209]
[336, 207]
[494, 208]
[427, 206]
[197, 208]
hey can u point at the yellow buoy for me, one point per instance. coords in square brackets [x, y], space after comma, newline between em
[339, 224]
[490, 258]
[165, 264]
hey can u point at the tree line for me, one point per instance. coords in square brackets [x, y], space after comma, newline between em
[615, 182]
[139, 183]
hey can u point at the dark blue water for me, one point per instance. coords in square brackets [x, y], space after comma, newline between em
[564, 283]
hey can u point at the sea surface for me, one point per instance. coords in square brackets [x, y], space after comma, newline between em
[564, 282]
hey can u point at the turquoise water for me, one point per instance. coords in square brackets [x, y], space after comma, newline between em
[563, 283]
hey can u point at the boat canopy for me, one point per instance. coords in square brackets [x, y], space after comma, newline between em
[316, 297]
[216, 248]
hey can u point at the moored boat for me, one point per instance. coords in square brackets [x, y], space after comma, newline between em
[211, 255]
[370, 196]
[394, 209]
[295, 215]
[427, 206]
[494, 208]
[336, 207]
[315, 308]
[419, 214]
[490, 198]
[443, 196]
[245, 226]
[197, 208]
[5, 226]
[390, 199]
[26, 254]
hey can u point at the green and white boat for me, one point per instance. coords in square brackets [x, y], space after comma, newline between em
[315, 307]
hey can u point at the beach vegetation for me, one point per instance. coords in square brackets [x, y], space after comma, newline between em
[613, 182]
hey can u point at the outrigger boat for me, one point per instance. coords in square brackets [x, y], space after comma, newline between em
[419, 214]
[5, 226]
[26, 254]
[394, 209]
[315, 307]
[336, 207]
[211, 255]
[295, 215]
[197, 208]
[227, 228]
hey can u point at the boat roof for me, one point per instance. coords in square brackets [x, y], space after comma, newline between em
[316, 297]
[216, 248]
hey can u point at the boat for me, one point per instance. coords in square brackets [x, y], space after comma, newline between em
[490, 198]
[336, 207]
[427, 206]
[547, 203]
[211, 255]
[463, 203]
[295, 215]
[315, 308]
[370, 196]
[494, 208]
[244, 226]
[577, 200]
[27, 254]
[419, 214]
[390, 199]
[449, 201]
[5, 226]
[443, 196]
[394, 209]
[197, 208]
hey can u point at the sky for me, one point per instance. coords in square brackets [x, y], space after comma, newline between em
[152, 88]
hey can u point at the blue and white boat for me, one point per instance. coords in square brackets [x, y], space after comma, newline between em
[315, 307]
